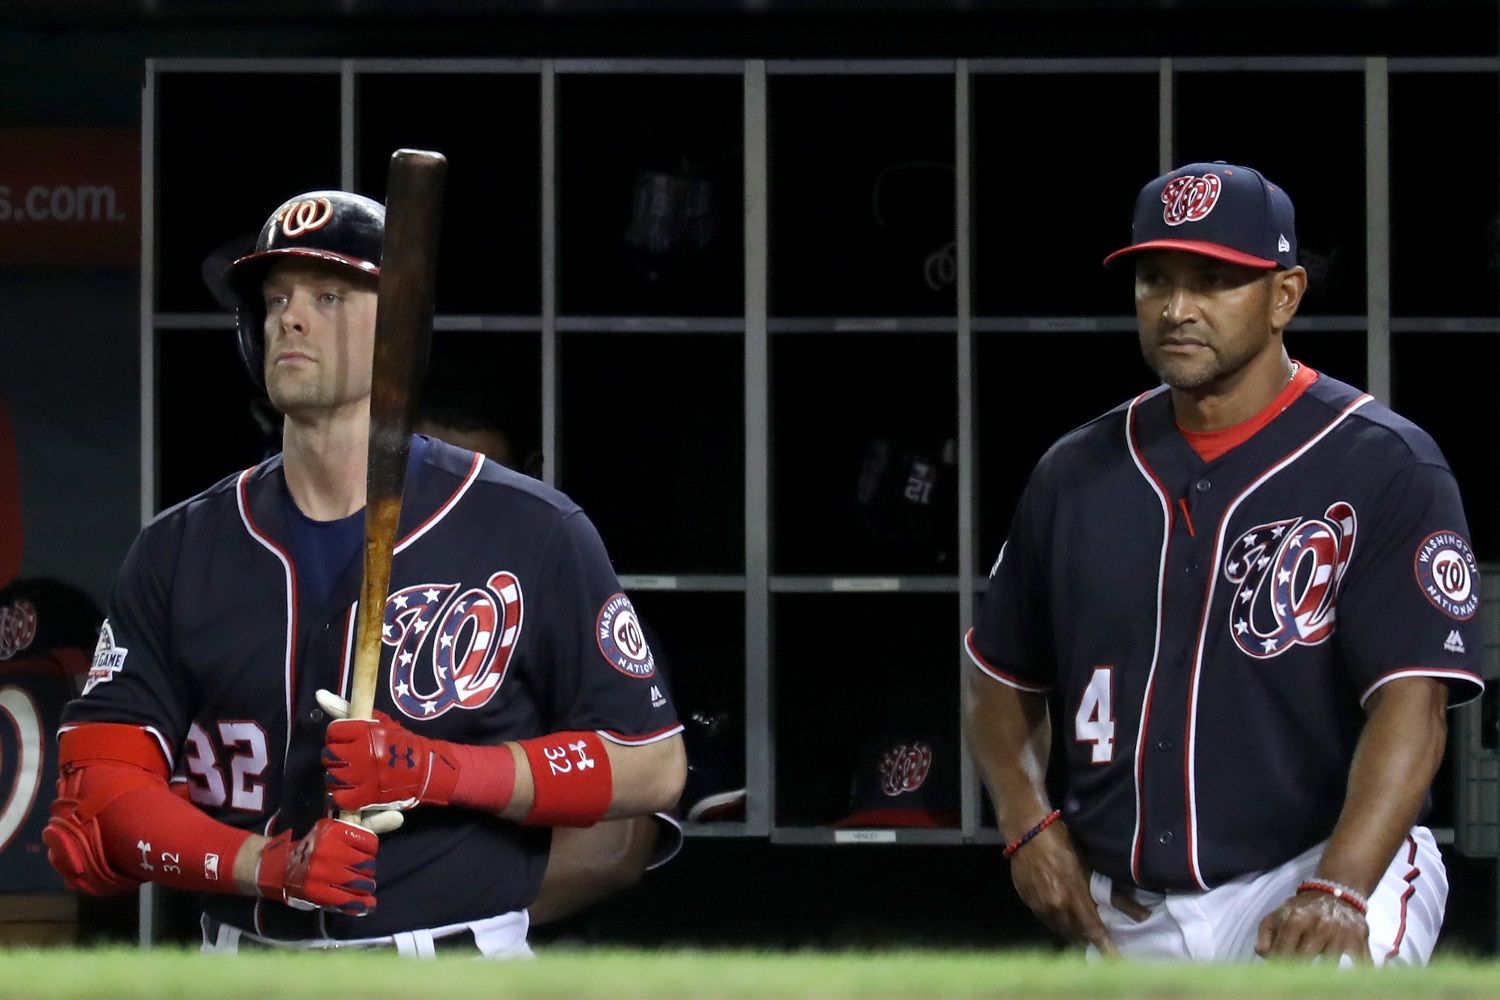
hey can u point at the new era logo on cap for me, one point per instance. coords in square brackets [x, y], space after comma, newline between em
[1219, 210]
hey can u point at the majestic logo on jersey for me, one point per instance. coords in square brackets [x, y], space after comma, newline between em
[904, 768]
[467, 644]
[305, 216]
[17, 627]
[1448, 574]
[1287, 576]
[109, 659]
[621, 640]
[1189, 199]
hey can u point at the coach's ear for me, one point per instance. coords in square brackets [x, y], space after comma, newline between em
[1287, 289]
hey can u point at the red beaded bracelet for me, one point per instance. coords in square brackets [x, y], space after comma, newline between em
[1023, 839]
[1338, 891]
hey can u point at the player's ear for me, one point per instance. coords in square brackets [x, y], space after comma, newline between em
[1287, 289]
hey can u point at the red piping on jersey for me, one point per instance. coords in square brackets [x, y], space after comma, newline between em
[1186, 516]
[1213, 578]
[290, 568]
[442, 511]
[1411, 890]
[639, 741]
[995, 672]
[1139, 458]
[1452, 673]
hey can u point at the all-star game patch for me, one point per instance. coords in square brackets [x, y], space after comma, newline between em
[109, 659]
[621, 640]
[1448, 574]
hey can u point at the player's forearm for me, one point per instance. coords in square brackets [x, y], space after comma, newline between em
[1009, 734]
[1398, 753]
[643, 779]
[585, 866]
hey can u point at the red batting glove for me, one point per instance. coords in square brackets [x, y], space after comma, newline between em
[379, 764]
[333, 867]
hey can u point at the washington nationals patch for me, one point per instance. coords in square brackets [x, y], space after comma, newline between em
[1448, 574]
[621, 640]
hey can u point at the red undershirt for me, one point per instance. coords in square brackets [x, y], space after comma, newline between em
[1212, 444]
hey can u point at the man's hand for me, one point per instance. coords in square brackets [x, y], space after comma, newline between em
[1050, 878]
[379, 764]
[1314, 923]
[333, 867]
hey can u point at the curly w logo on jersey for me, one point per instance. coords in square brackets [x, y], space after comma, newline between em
[451, 654]
[1189, 199]
[1287, 576]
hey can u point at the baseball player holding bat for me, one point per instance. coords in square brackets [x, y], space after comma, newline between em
[1250, 595]
[515, 691]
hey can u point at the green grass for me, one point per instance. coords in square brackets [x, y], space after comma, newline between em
[634, 975]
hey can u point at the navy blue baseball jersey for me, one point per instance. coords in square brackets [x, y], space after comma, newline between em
[1211, 630]
[505, 621]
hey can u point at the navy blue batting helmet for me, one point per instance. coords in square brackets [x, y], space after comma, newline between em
[335, 226]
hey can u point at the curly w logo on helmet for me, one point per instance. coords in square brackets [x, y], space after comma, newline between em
[301, 217]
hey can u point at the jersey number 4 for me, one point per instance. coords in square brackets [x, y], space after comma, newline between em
[1095, 721]
[242, 787]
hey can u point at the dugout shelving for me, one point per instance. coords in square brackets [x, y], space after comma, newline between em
[845, 251]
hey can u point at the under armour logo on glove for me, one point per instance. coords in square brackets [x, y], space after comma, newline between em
[378, 764]
[333, 867]
[406, 755]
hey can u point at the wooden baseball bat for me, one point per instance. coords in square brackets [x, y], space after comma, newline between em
[403, 332]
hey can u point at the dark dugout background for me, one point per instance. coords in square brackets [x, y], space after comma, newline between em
[70, 343]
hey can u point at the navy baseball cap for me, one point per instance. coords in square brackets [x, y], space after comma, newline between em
[1219, 210]
[904, 779]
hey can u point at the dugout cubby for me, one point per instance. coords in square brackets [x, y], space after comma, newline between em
[1445, 381]
[698, 639]
[856, 677]
[495, 378]
[667, 494]
[1445, 251]
[239, 148]
[861, 194]
[650, 194]
[864, 453]
[1056, 155]
[1311, 146]
[212, 422]
[488, 125]
[1087, 371]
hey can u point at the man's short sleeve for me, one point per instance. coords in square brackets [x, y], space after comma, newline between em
[1011, 638]
[132, 679]
[1409, 602]
[604, 674]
